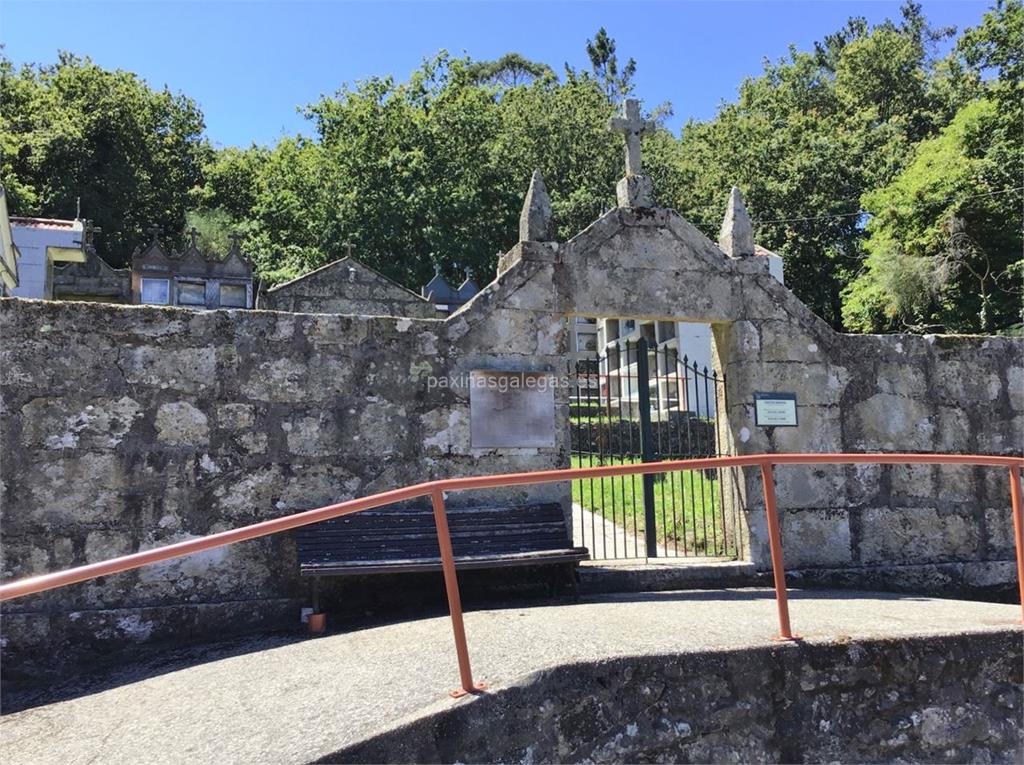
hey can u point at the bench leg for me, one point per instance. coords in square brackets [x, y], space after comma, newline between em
[317, 619]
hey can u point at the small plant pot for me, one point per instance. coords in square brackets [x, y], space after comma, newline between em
[317, 624]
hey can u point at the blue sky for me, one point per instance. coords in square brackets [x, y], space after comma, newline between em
[250, 64]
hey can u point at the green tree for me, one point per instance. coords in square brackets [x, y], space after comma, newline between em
[426, 172]
[951, 218]
[74, 131]
[510, 70]
[604, 63]
[812, 134]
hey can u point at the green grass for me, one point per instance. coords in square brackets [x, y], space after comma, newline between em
[686, 505]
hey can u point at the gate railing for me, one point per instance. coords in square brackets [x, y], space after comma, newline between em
[436, 490]
[643, 402]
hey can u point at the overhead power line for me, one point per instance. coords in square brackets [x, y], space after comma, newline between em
[865, 212]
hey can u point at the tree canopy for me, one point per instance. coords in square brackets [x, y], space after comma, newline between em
[886, 174]
[75, 131]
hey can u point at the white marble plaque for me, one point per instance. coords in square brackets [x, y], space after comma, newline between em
[511, 409]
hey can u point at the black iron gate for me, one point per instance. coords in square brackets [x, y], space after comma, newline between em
[638, 403]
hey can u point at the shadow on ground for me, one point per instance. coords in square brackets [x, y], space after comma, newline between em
[152, 661]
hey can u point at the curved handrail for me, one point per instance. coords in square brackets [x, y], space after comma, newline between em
[436, 489]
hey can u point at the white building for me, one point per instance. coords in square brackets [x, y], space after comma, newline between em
[42, 242]
[9, 255]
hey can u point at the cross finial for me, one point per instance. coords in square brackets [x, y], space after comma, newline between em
[235, 238]
[632, 127]
[193, 235]
[348, 248]
[155, 232]
[91, 231]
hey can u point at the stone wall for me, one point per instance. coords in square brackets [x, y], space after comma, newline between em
[940, 529]
[130, 427]
[928, 699]
[346, 286]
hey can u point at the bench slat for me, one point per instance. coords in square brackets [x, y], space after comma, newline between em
[572, 555]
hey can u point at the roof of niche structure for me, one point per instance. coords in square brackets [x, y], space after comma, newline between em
[343, 265]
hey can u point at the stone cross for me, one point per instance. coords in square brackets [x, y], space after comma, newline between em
[193, 234]
[155, 232]
[235, 238]
[348, 248]
[91, 231]
[632, 128]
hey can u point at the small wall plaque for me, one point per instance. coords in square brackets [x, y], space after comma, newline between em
[775, 410]
[511, 409]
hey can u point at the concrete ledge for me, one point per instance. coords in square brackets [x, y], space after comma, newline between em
[924, 699]
[41, 645]
[986, 580]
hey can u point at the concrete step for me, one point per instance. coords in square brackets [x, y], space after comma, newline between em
[652, 575]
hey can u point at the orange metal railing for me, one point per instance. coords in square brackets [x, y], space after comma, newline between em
[436, 490]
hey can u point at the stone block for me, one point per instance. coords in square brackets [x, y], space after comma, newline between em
[635, 191]
[746, 338]
[179, 423]
[999, 530]
[995, 485]
[990, 574]
[955, 382]
[958, 483]
[902, 535]
[819, 430]
[799, 486]
[912, 481]
[788, 341]
[103, 545]
[236, 416]
[252, 495]
[901, 379]
[1015, 387]
[890, 423]
[1002, 434]
[863, 483]
[445, 430]
[815, 538]
[313, 436]
[70, 423]
[953, 433]
[183, 369]
[86, 489]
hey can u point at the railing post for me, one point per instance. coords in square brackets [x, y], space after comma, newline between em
[451, 585]
[1018, 530]
[775, 543]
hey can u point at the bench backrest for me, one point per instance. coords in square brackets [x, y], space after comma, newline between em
[410, 534]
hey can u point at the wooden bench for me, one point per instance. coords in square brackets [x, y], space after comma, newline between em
[388, 541]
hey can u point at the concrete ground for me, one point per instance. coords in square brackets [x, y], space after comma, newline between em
[610, 541]
[291, 700]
